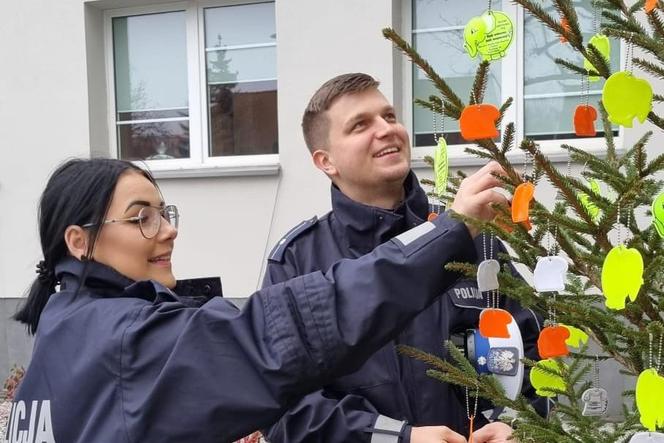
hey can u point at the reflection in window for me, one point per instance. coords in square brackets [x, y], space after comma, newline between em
[151, 93]
[438, 37]
[240, 48]
[550, 89]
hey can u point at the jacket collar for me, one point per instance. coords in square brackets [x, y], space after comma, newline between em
[106, 282]
[365, 227]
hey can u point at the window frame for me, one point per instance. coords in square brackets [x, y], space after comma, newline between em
[199, 163]
[512, 67]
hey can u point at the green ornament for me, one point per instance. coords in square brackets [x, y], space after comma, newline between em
[649, 393]
[543, 380]
[602, 43]
[622, 276]
[441, 167]
[489, 35]
[591, 207]
[625, 97]
[658, 214]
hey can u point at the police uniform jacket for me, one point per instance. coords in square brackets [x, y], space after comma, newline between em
[390, 391]
[121, 361]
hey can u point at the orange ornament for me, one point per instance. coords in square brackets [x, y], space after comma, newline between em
[521, 202]
[650, 6]
[584, 121]
[479, 121]
[565, 24]
[432, 216]
[551, 342]
[493, 323]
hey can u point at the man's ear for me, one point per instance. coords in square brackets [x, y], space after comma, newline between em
[76, 239]
[324, 162]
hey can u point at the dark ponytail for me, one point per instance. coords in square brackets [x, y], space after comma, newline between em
[78, 192]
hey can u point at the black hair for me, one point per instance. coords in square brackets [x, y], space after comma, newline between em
[78, 192]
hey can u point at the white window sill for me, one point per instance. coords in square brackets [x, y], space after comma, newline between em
[219, 167]
[551, 148]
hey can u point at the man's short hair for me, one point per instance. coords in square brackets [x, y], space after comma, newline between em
[315, 124]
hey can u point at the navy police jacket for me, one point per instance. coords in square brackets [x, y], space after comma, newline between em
[121, 361]
[390, 391]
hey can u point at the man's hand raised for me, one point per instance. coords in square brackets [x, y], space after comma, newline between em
[476, 195]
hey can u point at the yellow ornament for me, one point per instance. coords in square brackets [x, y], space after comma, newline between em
[625, 96]
[576, 336]
[602, 43]
[543, 380]
[440, 166]
[622, 276]
[649, 393]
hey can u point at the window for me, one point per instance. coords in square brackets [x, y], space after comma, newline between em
[195, 87]
[540, 88]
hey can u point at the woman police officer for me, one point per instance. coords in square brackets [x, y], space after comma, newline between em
[120, 357]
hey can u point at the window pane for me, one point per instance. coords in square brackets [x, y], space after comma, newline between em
[150, 61]
[549, 89]
[240, 25]
[154, 141]
[443, 48]
[241, 62]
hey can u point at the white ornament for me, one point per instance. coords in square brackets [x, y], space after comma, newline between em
[647, 437]
[487, 275]
[550, 274]
[595, 402]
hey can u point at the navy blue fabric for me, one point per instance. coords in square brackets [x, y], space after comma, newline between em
[124, 361]
[388, 384]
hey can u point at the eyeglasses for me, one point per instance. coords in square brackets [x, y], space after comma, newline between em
[149, 219]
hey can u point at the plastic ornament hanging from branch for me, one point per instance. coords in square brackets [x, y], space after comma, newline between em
[544, 381]
[591, 207]
[595, 399]
[489, 35]
[647, 437]
[523, 195]
[622, 272]
[478, 121]
[626, 96]
[601, 42]
[440, 165]
[565, 24]
[585, 115]
[649, 391]
[658, 214]
[493, 320]
[650, 6]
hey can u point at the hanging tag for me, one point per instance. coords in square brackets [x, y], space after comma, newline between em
[625, 96]
[550, 274]
[658, 214]
[489, 35]
[479, 121]
[602, 43]
[584, 121]
[542, 379]
[493, 323]
[523, 194]
[650, 6]
[647, 437]
[551, 342]
[622, 276]
[649, 393]
[487, 275]
[576, 336]
[595, 402]
[591, 207]
[440, 166]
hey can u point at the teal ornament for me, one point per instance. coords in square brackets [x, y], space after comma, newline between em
[658, 214]
[441, 167]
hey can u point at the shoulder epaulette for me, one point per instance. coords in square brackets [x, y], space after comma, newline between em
[278, 251]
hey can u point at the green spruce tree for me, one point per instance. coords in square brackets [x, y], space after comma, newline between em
[586, 225]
